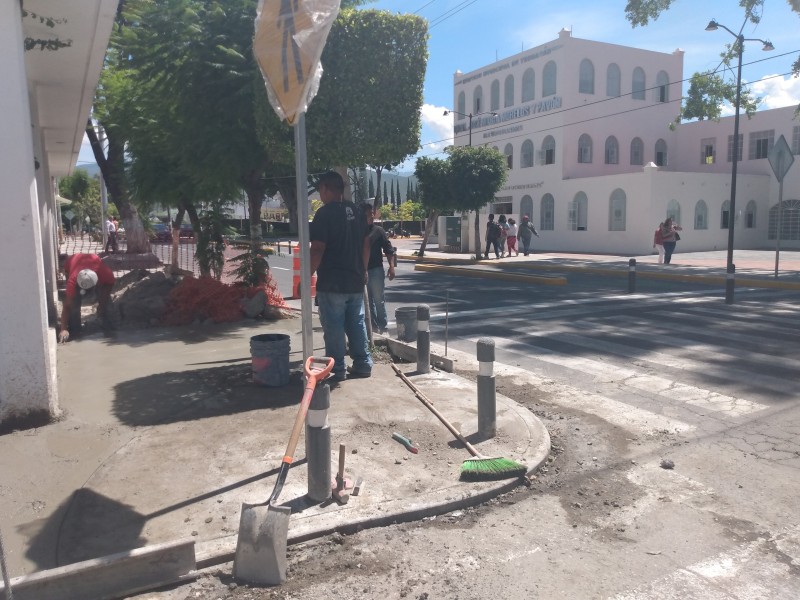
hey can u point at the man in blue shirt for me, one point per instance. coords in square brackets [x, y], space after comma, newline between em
[339, 255]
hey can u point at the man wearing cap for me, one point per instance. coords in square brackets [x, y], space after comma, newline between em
[84, 272]
[526, 233]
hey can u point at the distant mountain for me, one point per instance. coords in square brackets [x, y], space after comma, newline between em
[91, 168]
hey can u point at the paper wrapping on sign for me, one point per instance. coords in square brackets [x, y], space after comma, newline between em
[289, 38]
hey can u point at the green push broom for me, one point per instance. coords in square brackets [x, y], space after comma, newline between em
[479, 467]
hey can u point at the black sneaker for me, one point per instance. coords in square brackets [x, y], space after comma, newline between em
[351, 374]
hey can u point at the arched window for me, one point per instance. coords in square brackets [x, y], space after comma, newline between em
[547, 213]
[637, 151]
[586, 77]
[701, 215]
[462, 105]
[638, 84]
[548, 156]
[612, 151]
[661, 153]
[494, 103]
[549, 79]
[525, 207]
[616, 210]
[725, 214]
[674, 211]
[528, 85]
[585, 149]
[526, 152]
[509, 91]
[750, 215]
[662, 87]
[613, 81]
[790, 227]
[578, 216]
[477, 100]
[509, 152]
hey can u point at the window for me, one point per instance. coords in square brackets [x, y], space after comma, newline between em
[616, 210]
[674, 211]
[526, 207]
[509, 152]
[547, 213]
[578, 212]
[509, 91]
[613, 79]
[750, 215]
[638, 84]
[549, 79]
[612, 151]
[796, 140]
[637, 151]
[477, 100]
[526, 159]
[790, 220]
[528, 85]
[725, 215]
[701, 215]
[494, 102]
[548, 151]
[661, 153]
[708, 152]
[730, 147]
[586, 77]
[585, 149]
[503, 205]
[662, 87]
[761, 143]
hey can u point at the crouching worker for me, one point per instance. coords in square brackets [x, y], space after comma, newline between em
[84, 272]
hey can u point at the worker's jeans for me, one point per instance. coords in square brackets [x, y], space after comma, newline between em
[343, 315]
[376, 284]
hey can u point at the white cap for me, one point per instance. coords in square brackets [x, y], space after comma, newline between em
[87, 279]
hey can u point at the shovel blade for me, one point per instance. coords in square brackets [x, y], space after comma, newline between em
[261, 545]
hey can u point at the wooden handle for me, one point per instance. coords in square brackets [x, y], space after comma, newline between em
[340, 473]
[424, 399]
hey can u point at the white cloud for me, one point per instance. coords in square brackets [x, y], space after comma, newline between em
[777, 91]
[440, 127]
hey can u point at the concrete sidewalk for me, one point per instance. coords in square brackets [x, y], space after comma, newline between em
[164, 436]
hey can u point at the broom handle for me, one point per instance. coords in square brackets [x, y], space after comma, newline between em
[424, 399]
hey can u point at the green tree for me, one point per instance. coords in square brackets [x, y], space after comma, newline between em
[386, 212]
[84, 192]
[707, 93]
[433, 175]
[385, 195]
[395, 200]
[371, 187]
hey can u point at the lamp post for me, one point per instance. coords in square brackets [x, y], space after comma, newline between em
[739, 47]
[469, 116]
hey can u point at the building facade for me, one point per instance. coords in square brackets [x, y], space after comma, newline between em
[597, 160]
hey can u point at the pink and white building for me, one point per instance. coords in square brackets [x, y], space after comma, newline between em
[597, 160]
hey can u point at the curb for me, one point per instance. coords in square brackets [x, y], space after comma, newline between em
[486, 274]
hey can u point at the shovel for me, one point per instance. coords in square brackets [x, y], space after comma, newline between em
[264, 528]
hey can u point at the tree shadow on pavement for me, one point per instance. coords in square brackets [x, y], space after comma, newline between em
[199, 394]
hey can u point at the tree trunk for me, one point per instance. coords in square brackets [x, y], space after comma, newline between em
[379, 201]
[176, 239]
[429, 221]
[477, 235]
[288, 191]
[113, 169]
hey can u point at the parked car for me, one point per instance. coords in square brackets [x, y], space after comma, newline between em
[187, 233]
[161, 233]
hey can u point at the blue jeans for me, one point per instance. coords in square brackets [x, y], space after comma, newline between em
[526, 245]
[376, 284]
[343, 315]
[496, 245]
[669, 248]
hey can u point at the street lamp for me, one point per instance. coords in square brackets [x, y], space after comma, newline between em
[739, 47]
[469, 116]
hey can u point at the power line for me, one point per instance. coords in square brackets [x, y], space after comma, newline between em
[451, 13]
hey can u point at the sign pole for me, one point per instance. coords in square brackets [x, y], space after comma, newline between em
[780, 159]
[780, 226]
[301, 173]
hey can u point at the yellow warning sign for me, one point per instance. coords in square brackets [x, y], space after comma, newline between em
[289, 38]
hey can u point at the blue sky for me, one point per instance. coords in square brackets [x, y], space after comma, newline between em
[467, 34]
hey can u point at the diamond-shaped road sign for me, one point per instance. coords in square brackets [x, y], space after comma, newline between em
[780, 158]
[289, 39]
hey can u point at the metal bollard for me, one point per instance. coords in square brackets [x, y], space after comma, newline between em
[730, 284]
[487, 395]
[631, 275]
[318, 444]
[423, 339]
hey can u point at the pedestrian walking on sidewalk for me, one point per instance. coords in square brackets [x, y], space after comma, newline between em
[503, 224]
[111, 231]
[670, 236]
[492, 237]
[658, 243]
[339, 256]
[526, 233]
[379, 245]
[511, 240]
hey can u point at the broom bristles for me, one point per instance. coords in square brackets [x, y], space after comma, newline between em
[488, 469]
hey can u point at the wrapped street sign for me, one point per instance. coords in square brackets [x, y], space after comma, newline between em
[289, 38]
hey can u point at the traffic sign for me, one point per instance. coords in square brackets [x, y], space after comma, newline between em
[780, 158]
[70, 215]
[289, 38]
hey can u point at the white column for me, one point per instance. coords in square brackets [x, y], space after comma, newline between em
[27, 345]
